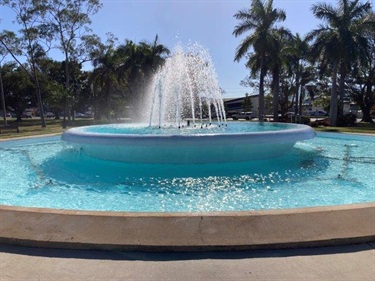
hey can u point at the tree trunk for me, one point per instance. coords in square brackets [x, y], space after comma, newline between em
[366, 109]
[108, 96]
[276, 91]
[298, 74]
[367, 115]
[3, 100]
[301, 97]
[342, 92]
[39, 97]
[261, 92]
[67, 86]
[333, 101]
[369, 104]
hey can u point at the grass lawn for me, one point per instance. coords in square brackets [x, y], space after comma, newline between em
[32, 127]
[360, 128]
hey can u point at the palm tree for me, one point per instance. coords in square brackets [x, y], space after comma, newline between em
[363, 83]
[131, 68]
[341, 41]
[260, 19]
[154, 55]
[105, 74]
[140, 63]
[297, 54]
[278, 60]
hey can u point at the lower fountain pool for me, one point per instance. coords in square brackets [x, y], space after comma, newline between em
[332, 169]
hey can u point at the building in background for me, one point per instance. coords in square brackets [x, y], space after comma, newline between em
[236, 105]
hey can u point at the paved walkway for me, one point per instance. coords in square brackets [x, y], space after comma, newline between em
[356, 262]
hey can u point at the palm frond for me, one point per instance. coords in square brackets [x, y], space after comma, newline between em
[244, 27]
[243, 48]
[325, 11]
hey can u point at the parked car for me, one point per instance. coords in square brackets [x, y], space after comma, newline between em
[26, 115]
[50, 115]
[316, 113]
[290, 114]
[83, 115]
[243, 115]
[79, 115]
[88, 115]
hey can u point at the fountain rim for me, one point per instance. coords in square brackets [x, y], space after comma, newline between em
[185, 232]
[297, 132]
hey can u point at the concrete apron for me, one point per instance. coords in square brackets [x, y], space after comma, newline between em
[308, 227]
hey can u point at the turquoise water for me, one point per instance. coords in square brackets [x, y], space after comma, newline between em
[198, 129]
[331, 169]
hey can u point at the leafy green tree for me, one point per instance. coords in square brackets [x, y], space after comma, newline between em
[3, 106]
[297, 59]
[362, 85]
[140, 62]
[133, 59]
[247, 104]
[18, 88]
[68, 22]
[55, 92]
[154, 55]
[278, 62]
[260, 19]
[33, 41]
[3, 53]
[83, 99]
[341, 42]
[105, 75]
[52, 79]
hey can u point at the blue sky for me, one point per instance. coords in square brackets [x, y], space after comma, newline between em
[208, 22]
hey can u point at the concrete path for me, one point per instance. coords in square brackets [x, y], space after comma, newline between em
[356, 262]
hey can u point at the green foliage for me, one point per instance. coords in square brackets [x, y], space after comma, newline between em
[301, 119]
[260, 19]
[347, 120]
[362, 84]
[341, 42]
[129, 67]
[323, 102]
[342, 47]
[18, 89]
[345, 39]
[247, 104]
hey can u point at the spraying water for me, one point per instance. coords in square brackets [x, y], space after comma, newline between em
[186, 88]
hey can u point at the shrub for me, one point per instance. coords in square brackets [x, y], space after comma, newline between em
[320, 123]
[347, 120]
[301, 119]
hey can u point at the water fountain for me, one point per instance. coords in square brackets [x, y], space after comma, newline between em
[184, 90]
[209, 185]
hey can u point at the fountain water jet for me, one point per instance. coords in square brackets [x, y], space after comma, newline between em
[186, 87]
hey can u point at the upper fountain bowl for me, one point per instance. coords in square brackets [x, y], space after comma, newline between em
[214, 143]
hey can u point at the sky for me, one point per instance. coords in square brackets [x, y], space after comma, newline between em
[210, 23]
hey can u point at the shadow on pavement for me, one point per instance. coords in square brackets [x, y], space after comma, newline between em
[168, 256]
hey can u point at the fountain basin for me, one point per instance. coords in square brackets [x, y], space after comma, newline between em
[339, 222]
[236, 142]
